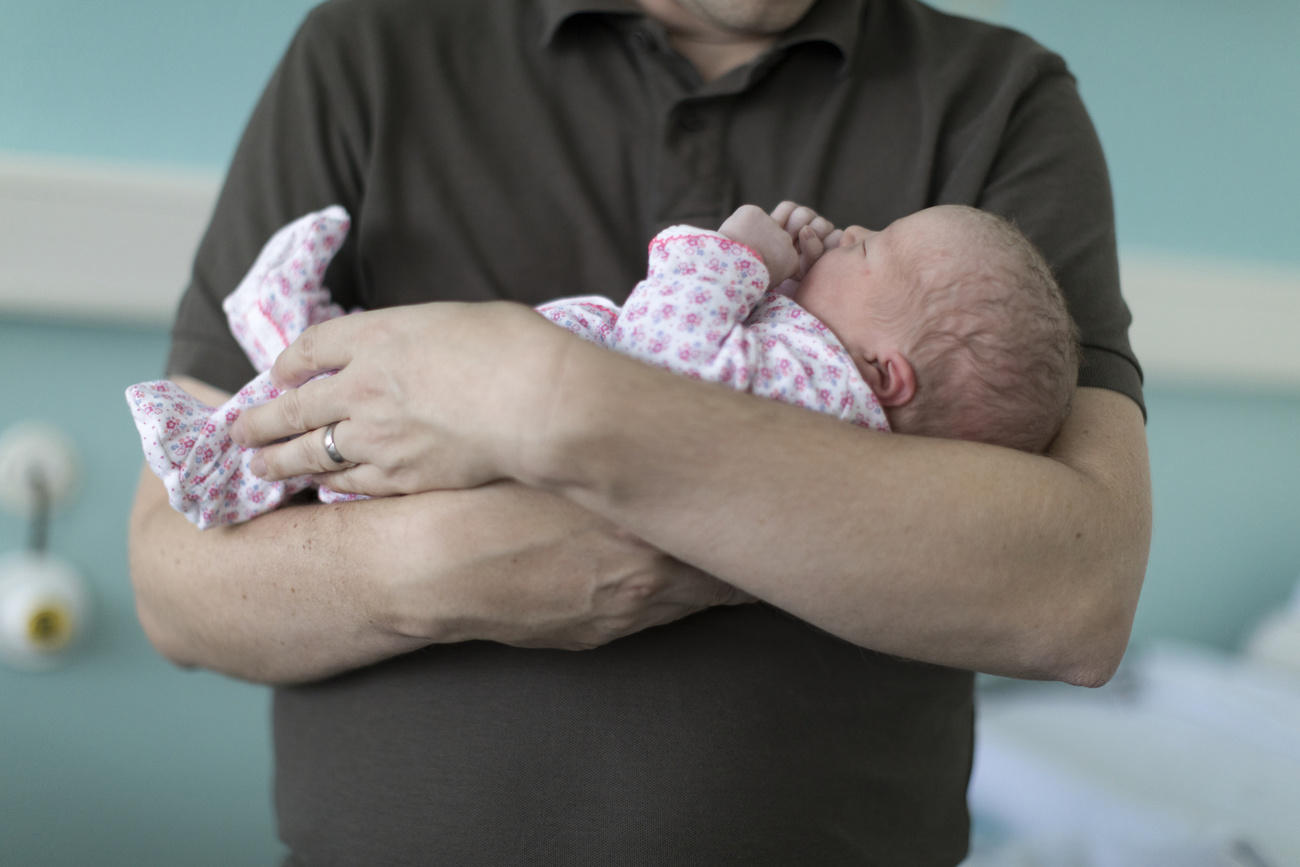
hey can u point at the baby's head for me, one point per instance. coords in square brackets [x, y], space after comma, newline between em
[955, 320]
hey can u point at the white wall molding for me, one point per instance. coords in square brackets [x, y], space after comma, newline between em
[1213, 321]
[109, 242]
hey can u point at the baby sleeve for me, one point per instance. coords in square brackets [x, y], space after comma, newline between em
[687, 314]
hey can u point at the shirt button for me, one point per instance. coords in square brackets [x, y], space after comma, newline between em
[690, 120]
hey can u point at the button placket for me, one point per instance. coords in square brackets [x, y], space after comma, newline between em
[692, 177]
[690, 119]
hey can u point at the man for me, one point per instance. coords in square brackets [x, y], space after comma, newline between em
[527, 151]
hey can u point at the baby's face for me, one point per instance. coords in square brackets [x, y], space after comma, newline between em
[843, 287]
[859, 288]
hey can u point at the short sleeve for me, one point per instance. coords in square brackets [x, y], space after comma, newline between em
[302, 150]
[1049, 177]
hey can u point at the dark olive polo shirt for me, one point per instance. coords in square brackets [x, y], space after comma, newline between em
[528, 149]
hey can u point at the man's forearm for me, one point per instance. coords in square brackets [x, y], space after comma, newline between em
[949, 552]
[287, 597]
[308, 591]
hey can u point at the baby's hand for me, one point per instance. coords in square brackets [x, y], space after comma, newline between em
[811, 233]
[751, 226]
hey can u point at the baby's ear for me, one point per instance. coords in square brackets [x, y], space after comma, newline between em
[892, 378]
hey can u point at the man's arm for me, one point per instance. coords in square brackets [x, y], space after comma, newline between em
[950, 552]
[311, 590]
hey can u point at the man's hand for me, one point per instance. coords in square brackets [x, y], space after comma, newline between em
[564, 578]
[751, 226]
[308, 591]
[425, 397]
[441, 396]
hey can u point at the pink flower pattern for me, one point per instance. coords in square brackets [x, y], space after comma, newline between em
[703, 311]
[187, 443]
[756, 341]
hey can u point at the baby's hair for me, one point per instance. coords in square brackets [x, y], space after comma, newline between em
[995, 351]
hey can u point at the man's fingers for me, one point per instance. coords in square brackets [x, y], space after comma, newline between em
[305, 455]
[361, 479]
[297, 457]
[322, 347]
[296, 411]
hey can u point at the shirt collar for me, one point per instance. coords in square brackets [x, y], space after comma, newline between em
[556, 13]
[834, 22]
[837, 23]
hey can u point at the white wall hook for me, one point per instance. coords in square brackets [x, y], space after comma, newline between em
[31, 450]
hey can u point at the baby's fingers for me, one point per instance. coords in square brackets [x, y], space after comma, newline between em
[793, 217]
[810, 249]
[781, 213]
[800, 218]
[821, 226]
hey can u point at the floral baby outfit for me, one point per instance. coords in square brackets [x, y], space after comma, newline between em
[187, 443]
[704, 311]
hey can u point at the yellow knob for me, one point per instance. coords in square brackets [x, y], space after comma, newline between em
[49, 626]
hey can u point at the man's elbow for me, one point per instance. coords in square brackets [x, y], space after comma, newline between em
[147, 568]
[150, 612]
[1095, 663]
[1095, 631]
[164, 639]
[187, 650]
[1078, 650]
[1084, 612]
[1089, 649]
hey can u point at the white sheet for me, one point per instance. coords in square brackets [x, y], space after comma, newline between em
[1189, 758]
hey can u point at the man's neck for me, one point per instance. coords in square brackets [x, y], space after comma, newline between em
[715, 59]
[712, 48]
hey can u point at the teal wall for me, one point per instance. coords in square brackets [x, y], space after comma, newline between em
[118, 759]
[140, 81]
[121, 759]
[1196, 105]
[1195, 101]
[1225, 469]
